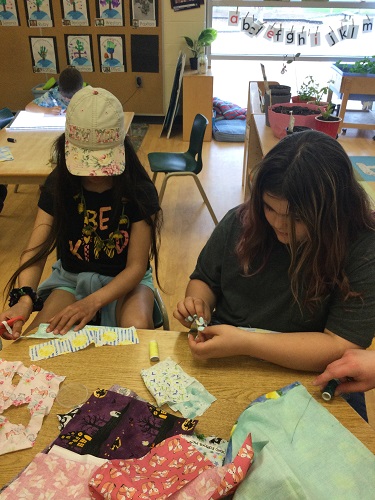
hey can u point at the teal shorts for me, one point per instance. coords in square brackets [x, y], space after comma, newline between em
[146, 280]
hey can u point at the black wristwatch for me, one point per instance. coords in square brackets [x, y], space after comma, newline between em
[17, 293]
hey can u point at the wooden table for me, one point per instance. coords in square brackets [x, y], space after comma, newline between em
[261, 140]
[235, 382]
[32, 154]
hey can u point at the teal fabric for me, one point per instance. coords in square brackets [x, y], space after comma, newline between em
[301, 451]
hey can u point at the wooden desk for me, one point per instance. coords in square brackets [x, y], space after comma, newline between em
[261, 140]
[235, 382]
[32, 154]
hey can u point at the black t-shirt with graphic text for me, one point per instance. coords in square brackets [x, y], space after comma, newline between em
[97, 241]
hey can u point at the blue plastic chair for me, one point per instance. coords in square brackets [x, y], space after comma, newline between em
[6, 116]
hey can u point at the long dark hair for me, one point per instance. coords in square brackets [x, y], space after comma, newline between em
[131, 182]
[313, 173]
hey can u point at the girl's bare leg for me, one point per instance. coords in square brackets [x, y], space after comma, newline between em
[55, 303]
[136, 308]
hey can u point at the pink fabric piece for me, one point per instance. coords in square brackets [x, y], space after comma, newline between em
[51, 477]
[219, 482]
[38, 389]
[159, 474]
[171, 470]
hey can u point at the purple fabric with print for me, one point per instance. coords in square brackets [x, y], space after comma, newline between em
[110, 425]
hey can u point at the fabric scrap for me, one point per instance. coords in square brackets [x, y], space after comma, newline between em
[50, 476]
[168, 383]
[228, 110]
[110, 425]
[174, 469]
[81, 339]
[212, 447]
[301, 451]
[37, 388]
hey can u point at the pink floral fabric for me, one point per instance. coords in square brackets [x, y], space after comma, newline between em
[174, 469]
[37, 389]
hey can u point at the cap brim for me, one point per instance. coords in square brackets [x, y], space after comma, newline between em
[88, 162]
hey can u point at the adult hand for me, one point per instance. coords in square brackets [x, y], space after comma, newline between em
[75, 315]
[189, 307]
[355, 370]
[18, 310]
[218, 341]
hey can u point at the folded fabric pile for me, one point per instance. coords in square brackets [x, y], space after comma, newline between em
[227, 110]
[117, 446]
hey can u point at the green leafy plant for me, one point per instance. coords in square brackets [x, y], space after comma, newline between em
[310, 90]
[327, 113]
[205, 38]
[364, 66]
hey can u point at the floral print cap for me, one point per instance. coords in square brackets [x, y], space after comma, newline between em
[94, 134]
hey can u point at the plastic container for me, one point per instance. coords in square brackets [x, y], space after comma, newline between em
[279, 93]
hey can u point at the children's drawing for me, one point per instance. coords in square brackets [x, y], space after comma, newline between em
[79, 51]
[143, 13]
[112, 53]
[110, 13]
[39, 13]
[8, 13]
[75, 13]
[44, 54]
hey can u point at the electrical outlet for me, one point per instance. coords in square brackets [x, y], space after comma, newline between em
[138, 81]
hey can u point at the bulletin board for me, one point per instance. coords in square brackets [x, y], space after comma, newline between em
[111, 43]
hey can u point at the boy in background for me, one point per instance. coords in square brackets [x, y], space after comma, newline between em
[56, 100]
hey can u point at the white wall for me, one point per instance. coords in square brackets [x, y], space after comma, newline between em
[175, 25]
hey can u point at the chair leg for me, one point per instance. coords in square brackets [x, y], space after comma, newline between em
[163, 186]
[16, 188]
[205, 199]
[154, 177]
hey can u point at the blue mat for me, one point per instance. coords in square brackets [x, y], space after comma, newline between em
[364, 167]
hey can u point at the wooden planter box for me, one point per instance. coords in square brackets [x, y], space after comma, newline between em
[357, 87]
[362, 86]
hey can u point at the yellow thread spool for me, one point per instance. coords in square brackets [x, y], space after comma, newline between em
[154, 350]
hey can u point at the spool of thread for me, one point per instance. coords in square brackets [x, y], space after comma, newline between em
[329, 390]
[10, 139]
[154, 350]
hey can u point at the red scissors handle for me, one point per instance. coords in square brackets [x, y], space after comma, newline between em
[9, 323]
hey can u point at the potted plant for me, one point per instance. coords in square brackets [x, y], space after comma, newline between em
[205, 38]
[366, 65]
[310, 90]
[303, 115]
[328, 123]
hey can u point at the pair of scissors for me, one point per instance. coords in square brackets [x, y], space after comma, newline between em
[6, 326]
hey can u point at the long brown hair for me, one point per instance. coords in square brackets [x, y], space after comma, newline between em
[131, 181]
[313, 173]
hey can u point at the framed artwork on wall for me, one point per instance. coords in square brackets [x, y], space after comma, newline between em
[109, 13]
[112, 53]
[9, 14]
[39, 13]
[75, 13]
[79, 52]
[144, 13]
[185, 4]
[44, 54]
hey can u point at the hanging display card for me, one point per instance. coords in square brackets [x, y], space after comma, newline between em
[78, 48]
[109, 13]
[144, 13]
[112, 53]
[9, 14]
[44, 54]
[75, 13]
[39, 13]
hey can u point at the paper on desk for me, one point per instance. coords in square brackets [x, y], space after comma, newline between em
[76, 341]
[5, 154]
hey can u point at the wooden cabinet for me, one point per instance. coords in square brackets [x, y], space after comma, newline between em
[197, 95]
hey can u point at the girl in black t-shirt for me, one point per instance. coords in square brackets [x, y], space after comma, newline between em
[103, 220]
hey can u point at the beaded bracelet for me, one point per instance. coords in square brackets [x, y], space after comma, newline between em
[17, 293]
